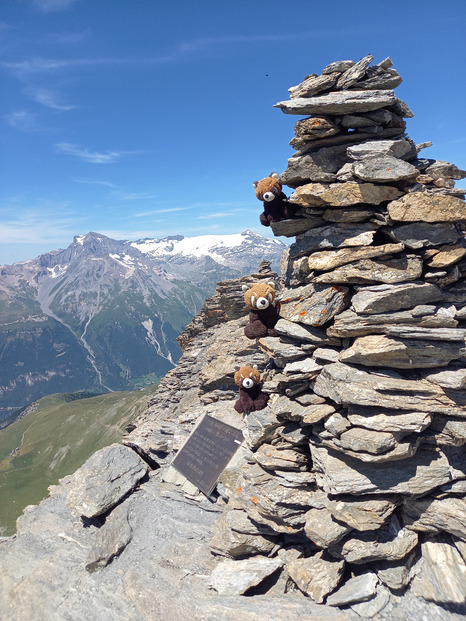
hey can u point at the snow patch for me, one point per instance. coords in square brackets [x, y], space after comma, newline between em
[125, 261]
[57, 271]
[148, 325]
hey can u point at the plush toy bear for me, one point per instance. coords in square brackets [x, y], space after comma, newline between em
[251, 397]
[276, 206]
[263, 313]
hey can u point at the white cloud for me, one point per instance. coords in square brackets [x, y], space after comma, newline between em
[94, 157]
[50, 99]
[51, 6]
[68, 38]
[23, 120]
[186, 49]
[136, 196]
[37, 224]
[97, 182]
[155, 212]
[222, 214]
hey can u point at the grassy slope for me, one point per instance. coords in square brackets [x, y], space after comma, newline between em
[54, 441]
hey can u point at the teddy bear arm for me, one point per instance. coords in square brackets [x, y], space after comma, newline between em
[244, 403]
[239, 406]
[289, 210]
[261, 401]
[263, 219]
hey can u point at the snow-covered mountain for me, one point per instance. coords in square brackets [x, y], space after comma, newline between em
[223, 249]
[104, 314]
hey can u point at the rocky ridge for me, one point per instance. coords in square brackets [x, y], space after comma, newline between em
[347, 497]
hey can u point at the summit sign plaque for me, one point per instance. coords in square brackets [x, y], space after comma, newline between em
[206, 452]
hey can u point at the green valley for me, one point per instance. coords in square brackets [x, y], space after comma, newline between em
[56, 439]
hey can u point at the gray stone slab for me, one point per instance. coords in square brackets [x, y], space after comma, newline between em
[383, 351]
[106, 477]
[235, 577]
[357, 589]
[424, 235]
[384, 170]
[344, 102]
[385, 298]
[399, 269]
[423, 472]
[346, 384]
[333, 236]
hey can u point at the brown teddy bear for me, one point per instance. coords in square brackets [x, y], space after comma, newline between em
[251, 397]
[276, 206]
[263, 313]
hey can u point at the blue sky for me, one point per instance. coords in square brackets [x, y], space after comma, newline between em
[148, 118]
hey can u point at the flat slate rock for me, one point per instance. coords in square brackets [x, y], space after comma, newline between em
[447, 255]
[426, 235]
[112, 538]
[435, 515]
[346, 384]
[382, 419]
[106, 477]
[391, 543]
[421, 207]
[330, 259]
[362, 513]
[389, 271]
[322, 529]
[339, 474]
[333, 236]
[357, 589]
[383, 351]
[312, 305]
[450, 378]
[367, 441]
[317, 576]
[352, 75]
[312, 85]
[235, 577]
[306, 334]
[320, 165]
[385, 298]
[344, 102]
[339, 66]
[350, 324]
[342, 194]
[440, 574]
[350, 214]
[384, 170]
[376, 149]
[290, 228]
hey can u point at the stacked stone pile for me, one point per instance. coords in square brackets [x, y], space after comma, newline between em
[357, 468]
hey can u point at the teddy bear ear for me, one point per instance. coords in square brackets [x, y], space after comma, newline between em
[274, 175]
[255, 184]
[271, 284]
[244, 288]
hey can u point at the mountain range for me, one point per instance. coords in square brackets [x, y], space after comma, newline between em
[104, 314]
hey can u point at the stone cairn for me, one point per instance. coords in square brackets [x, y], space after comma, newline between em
[356, 471]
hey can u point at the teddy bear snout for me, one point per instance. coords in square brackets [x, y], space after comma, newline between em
[248, 382]
[268, 196]
[262, 303]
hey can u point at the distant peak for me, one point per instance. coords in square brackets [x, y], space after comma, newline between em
[91, 236]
